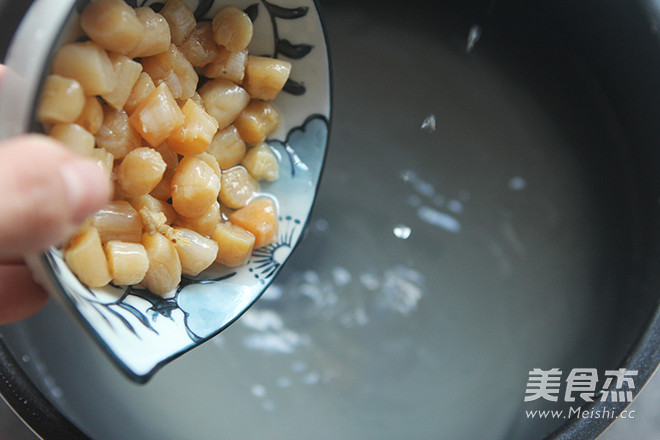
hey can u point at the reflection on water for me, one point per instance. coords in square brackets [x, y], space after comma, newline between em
[290, 328]
[402, 231]
[517, 183]
[428, 124]
[455, 206]
[436, 218]
[269, 334]
[473, 37]
[430, 215]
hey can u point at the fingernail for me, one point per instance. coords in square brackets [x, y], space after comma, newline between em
[87, 187]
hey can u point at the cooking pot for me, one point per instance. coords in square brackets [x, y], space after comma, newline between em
[484, 236]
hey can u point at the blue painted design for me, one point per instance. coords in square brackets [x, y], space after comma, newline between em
[267, 260]
[304, 143]
[252, 11]
[203, 7]
[285, 47]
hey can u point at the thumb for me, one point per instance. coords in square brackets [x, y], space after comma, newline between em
[46, 191]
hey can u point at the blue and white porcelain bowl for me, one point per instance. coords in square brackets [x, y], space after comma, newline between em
[142, 331]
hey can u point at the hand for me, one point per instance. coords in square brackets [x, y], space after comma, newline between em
[45, 191]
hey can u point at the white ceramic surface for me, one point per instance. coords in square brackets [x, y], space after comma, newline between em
[142, 331]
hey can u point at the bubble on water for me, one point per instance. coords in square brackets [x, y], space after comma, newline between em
[369, 281]
[311, 276]
[402, 231]
[298, 366]
[408, 175]
[473, 37]
[283, 382]
[402, 289]
[341, 276]
[25, 358]
[422, 187]
[321, 225]
[428, 124]
[273, 293]
[284, 342]
[262, 320]
[351, 318]
[312, 291]
[517, 183]
[311, 378]
[455, 206]
[425, 189]
[218, 341]
[258, 390]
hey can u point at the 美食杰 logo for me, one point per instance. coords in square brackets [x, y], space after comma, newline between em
[580, 383]
[580, 386]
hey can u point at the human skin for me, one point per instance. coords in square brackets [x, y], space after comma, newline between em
[47, 190]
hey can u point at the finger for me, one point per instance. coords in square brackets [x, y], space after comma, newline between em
[47, 190]
[20, 296]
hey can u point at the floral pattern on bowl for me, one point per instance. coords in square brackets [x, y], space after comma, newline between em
[142, 331]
